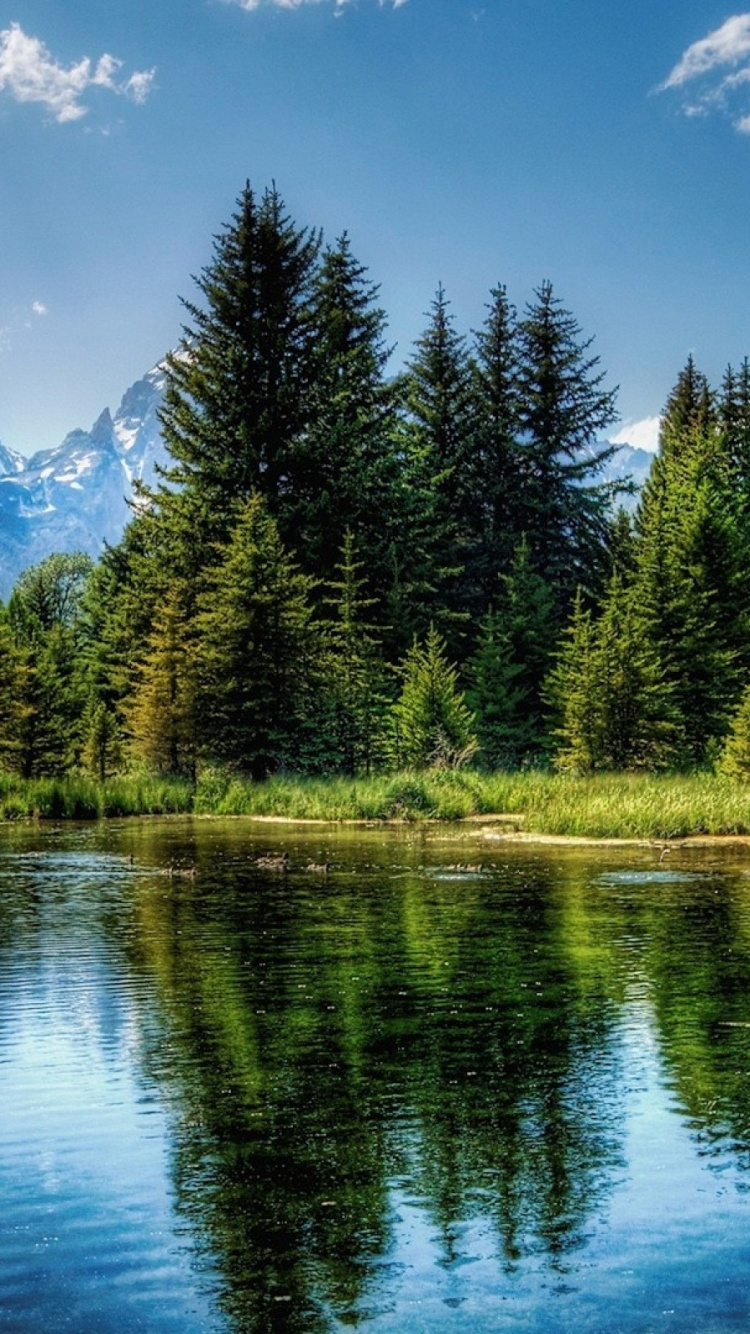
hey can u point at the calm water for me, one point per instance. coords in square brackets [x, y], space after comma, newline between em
[406, 1096]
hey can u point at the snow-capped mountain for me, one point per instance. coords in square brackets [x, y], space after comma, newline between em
[74, 497]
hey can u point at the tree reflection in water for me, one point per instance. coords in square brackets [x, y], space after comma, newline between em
[402, 1081]
[380, 1036]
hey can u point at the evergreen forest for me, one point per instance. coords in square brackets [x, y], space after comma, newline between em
[342, 571]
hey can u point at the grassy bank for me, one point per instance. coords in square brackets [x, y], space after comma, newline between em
[78, 798]
[601, 806]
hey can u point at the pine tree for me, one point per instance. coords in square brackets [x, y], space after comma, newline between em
[258, 650]
[621, 546]
[102, 753]
[495, 467]
[496, 697]
[437, 390]
[734, 420]
[564, 410]
[13, 697]
[689, 410]
[343, 466]
[43, 615]
[639, 725]
[432, 726]
[574, 693]
[511, 664]
[161, 714]
[236, 394]
[48, 738]
[116, 618]
[734, 761]
[352, 670]
[692, 554]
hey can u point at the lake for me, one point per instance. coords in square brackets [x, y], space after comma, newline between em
[453, 1084]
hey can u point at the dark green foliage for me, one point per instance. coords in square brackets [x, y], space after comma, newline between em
[236, 397]
[342, 472]
[43, 621]
[352, 671]
[572, 691]
[495, 477]
[102, 752]
[640, 726]
[510, 666]
[51, 702]
[432, 726]
[258, 650]
[496, 697]
[563, 412]
[734, 420]
[14, 675]
[689, 410]
[621, 546]
[438, 447]
[317, 518]
[690, 581]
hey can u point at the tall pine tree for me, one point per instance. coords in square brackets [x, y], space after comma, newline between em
[237, 389]
[564, 411]
[439, 481]
[494, 467]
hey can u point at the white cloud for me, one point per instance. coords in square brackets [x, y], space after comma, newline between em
[642, 434]
[29, 73]
[710, 68]
[727, 45]
[39, 308]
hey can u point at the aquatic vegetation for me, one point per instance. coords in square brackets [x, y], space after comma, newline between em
[608, 805]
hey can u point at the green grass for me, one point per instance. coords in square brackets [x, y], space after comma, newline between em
[600, 806]
[80, 798]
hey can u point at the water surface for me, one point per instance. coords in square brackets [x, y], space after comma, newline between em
[447, 1086]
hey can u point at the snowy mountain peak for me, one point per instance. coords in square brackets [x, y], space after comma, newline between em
[10, 462]
[101, 432]
[75, 497]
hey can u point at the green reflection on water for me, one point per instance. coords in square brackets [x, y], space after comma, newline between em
[403, 1036]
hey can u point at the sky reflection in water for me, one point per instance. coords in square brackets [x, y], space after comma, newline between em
[404, 1095]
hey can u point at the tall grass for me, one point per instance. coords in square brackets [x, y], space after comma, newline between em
[80, 798]
[600, 806]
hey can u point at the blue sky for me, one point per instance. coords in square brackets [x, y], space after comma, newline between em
[603, 146]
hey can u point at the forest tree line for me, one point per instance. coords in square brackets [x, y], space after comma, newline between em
[341, 570]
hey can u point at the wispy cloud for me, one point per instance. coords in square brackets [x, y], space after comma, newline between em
[29, 73]
[714, 71]
[642, 434]
[14, 320]
[338, 5]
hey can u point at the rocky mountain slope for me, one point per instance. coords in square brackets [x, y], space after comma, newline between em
[75, 497]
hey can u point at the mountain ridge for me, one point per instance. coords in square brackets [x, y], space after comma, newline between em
[75, 496]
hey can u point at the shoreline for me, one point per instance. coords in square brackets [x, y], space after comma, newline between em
[532, 806]
[479, 827]
[491, 835]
